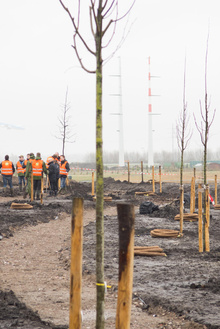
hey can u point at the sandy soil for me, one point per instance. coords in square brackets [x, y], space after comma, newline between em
[177, 291]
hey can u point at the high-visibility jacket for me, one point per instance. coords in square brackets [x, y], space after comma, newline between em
[63, 169]
[27, 160]
[20, 169]
[37, 167]
[7, 168]
[49, 159]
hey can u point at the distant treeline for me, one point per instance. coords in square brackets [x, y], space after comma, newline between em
[161, 158]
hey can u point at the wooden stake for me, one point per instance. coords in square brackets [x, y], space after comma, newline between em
[192, 197]
[207, 246]
[181, 207]
[93, 183]
[32, 187]
[216, 190]
[160, 179]
[58, 184]
[194, 173]
[142, 172]
[126, 217]
[76, 264]
[47, 182]
[200, 228]
[128, 172]
[42, 189]
[153, 181]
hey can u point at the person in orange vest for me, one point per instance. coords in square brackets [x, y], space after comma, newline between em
[25, 161]
[49, 159]
[20, 171]
[58, 158]
[7, 173]
[64, 169]
[38, 168]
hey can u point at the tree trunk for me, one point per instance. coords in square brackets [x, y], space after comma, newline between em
[99, 181]
[205, 168]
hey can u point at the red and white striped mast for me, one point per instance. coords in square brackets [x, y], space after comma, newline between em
[150, 114]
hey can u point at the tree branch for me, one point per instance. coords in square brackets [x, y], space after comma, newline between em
[76, 30]
[79, 59]
[120, 18]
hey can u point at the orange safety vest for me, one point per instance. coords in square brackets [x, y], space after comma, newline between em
[37, 167]
[19, 168]
[63, 169]
[7, 168]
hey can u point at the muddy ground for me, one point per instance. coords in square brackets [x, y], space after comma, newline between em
[181, 290]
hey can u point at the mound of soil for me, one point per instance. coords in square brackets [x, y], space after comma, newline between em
[14, 314]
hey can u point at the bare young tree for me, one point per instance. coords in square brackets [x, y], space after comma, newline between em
[103, 16]
[183, 137]
[65, 133]
[203, 129]
[184, 134]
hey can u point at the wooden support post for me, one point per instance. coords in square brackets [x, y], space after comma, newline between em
[58, 184]
[93, 183]
[142, 172]
[181, 207]
[194, 173]
[192, 196]
[128, 172]
[207, 215]
[42, 189]
[76, 264]
[160, 179]
[216, 190]
[200, 228]
[126, 217]
[47, 182]
[32, 186]
[153, 181]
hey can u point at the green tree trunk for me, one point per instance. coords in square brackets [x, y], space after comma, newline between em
[99, 180]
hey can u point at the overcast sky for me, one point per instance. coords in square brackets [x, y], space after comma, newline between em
[38, 63]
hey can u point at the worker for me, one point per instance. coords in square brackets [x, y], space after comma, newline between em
[20, 171]
[49, 159]
[64, 169]
[53, 172]
[38, 168]
[57, 157]
[26, 160]
[27, 189]
[7, 173]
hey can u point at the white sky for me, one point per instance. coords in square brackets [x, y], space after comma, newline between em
[38, 63]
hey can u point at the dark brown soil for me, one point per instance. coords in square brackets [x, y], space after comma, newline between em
[186, 281]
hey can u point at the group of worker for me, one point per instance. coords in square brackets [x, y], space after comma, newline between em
[55, 167]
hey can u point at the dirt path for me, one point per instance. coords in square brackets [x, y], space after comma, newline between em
[30, 266]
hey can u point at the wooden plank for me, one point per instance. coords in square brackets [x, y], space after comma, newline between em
[106, 198]
[21, 206]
